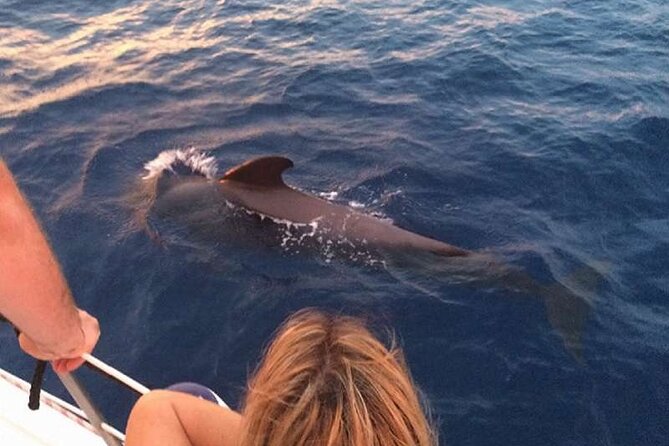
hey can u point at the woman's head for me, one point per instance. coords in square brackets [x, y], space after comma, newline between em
[326, 380]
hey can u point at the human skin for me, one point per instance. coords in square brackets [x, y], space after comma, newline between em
[184, 421]
[34, 294]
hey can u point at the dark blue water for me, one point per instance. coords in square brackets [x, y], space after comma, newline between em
[539, 130]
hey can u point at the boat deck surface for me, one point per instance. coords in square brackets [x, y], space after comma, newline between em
[52, 425]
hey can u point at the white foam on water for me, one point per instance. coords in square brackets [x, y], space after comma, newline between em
[198, 161]
[295, 234]
[330, 196]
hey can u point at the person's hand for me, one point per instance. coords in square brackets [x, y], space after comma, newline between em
[91, 329]
[66, 362]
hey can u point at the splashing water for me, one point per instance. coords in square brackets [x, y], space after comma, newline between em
[194, 159]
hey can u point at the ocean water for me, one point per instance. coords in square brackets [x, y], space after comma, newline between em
[537, 130]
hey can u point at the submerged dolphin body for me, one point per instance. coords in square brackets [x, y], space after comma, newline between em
[258, 187]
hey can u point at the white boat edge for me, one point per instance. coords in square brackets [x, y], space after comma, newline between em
[56, 423]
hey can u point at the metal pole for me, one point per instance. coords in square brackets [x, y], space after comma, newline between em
[114, 374]
[84, 402]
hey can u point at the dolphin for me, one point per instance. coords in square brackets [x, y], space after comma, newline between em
[183, 193]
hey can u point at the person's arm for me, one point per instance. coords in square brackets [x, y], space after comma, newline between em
[34, 295]
[167, 418]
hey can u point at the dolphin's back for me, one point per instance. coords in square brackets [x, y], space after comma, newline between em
[257, 185]
[285, 203]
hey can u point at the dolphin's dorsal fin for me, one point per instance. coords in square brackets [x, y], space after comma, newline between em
[265, 171]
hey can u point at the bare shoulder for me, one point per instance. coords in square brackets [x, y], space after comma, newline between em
[165, 417]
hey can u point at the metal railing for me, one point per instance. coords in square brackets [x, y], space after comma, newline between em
[111, 436]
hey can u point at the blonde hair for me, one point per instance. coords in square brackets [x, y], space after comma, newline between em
[326, 380]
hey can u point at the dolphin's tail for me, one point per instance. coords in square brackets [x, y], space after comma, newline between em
[568, 301]
[568, 304]
[567, 314]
